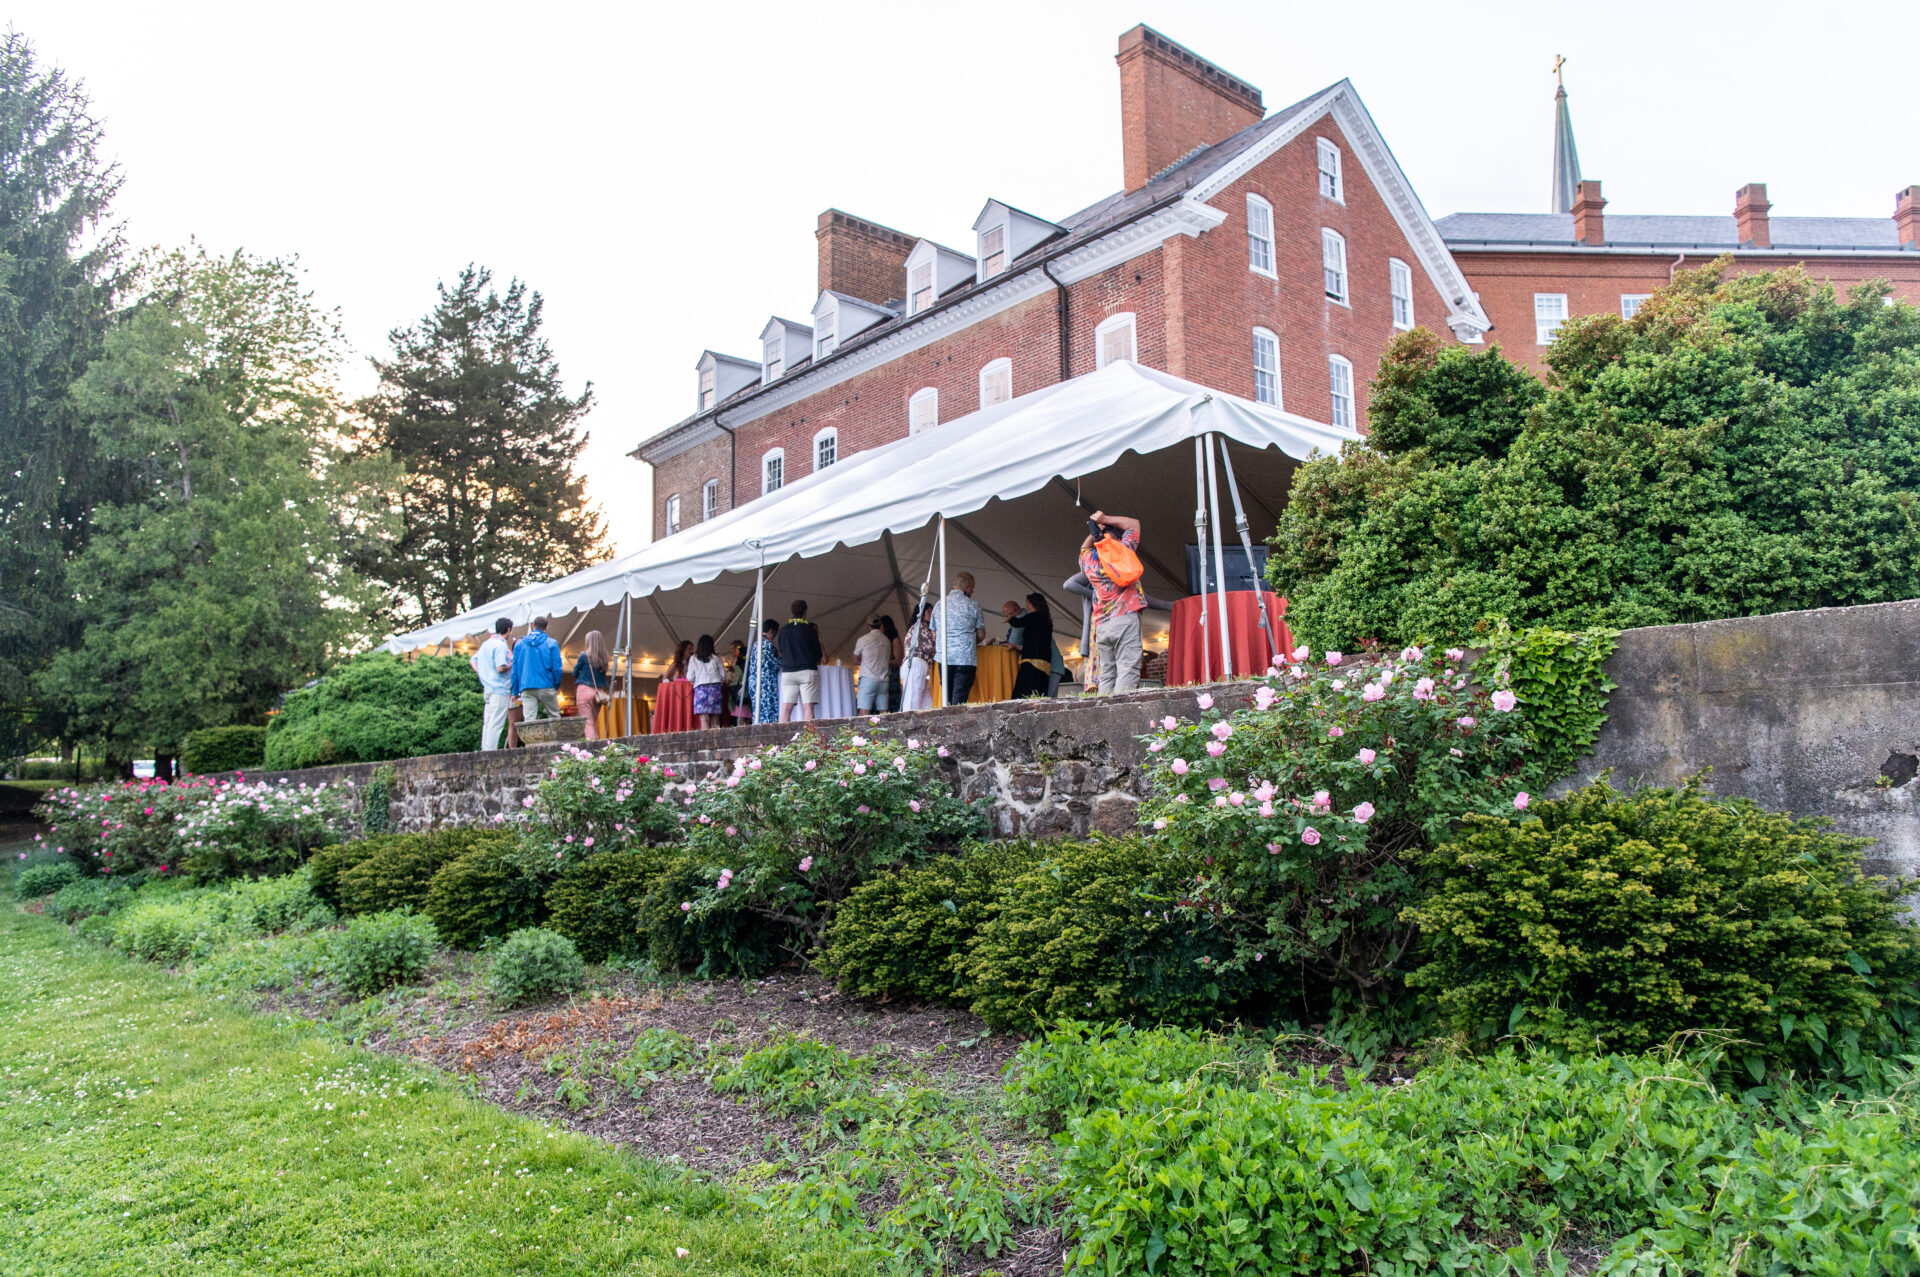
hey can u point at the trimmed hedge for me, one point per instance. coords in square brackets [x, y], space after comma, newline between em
[45, 879]
[398, 870]
[718, 942]
[377, 707]
[326, 865]
[596, 903]
[484, 894]
[223, 749]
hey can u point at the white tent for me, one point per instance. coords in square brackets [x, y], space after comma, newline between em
[1015, 483]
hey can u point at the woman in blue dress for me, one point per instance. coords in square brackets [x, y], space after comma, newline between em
[763, 672]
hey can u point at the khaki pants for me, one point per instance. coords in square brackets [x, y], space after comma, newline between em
[493, 727]
[544, 702]
[1118, 642]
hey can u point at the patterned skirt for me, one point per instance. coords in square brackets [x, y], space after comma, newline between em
[709, 698]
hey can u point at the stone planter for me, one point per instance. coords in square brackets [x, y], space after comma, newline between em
[551, 731]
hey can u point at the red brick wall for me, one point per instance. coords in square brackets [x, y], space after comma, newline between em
[685, 475]
[1593, 283]
[1172, 101]
[860, 258]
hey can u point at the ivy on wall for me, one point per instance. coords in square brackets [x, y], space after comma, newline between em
[1559, 678]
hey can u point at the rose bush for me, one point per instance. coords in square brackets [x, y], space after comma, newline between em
[592, 802]
[208, 829]
[1303, 808]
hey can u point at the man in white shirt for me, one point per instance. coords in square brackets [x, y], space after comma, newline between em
[875, 654]
[494, 664]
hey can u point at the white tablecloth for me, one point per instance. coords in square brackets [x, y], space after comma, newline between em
[836, 691]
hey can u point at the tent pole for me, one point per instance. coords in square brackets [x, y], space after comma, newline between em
[1200, 540]
[576, 627]
[626, 622]
[620, 631]
[1246, 544]
[945, 590]
[1219, 563]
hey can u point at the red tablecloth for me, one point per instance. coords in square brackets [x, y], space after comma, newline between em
[673, 707]
[1251, 652]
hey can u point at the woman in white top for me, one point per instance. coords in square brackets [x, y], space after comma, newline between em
[708, 674]
[919, 664]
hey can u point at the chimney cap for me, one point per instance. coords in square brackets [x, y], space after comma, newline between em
[1752, 193]
[1144, 39]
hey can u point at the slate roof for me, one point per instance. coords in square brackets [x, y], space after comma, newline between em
[1507, 230]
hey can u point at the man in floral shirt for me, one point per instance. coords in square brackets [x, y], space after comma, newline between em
[1116, 608]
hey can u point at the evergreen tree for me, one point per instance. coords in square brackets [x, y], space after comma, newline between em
[472, 408]
[59, 271]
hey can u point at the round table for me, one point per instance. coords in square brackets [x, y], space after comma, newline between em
[673, 707]
[1251, 650]
[612, 717]
[992, 676]
[836, 692]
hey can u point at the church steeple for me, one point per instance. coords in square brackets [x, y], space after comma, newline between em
[1566, 160]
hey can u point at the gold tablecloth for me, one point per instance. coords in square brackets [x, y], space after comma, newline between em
[992, 677]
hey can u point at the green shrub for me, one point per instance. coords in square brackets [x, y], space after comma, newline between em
[170, 928]
[268, 906]
[328, 863]
[533, 963]
[44, 879]
[596, 903]
[89, 898]
[724, 939]
[1606, 921]
[375, 951]
[398, 870]
[1077, 1067]
[377, 707]
[376, 802]
[223, 749]
[484, 894]
[907, 933]
[794, 1074]
[95, 927]
[1094, 930]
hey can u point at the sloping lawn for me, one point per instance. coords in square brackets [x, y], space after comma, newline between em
[145, 1128]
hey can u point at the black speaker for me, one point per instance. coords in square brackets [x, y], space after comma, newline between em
[1240, 574]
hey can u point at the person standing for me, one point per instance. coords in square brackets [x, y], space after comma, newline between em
[537, 672]
[737, 692]
[915, 689]
[896, 653]
[494, 664]
[677, 668]
[874, 654]
[1116, 607]
[708, 674]
[1035, 628]
[960, 637]
[592, 680]
[800, 653]
[763, 674]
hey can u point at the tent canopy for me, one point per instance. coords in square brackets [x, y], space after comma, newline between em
[1016, 483]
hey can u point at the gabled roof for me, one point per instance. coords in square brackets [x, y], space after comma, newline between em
[847, 300]
[1469, 231]
[717, 357]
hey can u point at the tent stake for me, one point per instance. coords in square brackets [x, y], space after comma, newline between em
[1219, 564]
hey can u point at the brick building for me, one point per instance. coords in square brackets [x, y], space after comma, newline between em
[1272, 256]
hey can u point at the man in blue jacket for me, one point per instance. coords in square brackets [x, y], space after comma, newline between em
[536, 673]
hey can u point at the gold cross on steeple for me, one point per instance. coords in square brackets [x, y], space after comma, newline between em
[1558, 62]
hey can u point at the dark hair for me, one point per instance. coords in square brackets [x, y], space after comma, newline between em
[875, 624]
[888, 628]
[539, 622]
[799, 607]
[769, 626]
[503, 626]
[705, 648]
[1038, 602]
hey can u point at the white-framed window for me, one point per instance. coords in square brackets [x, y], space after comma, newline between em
[824, 327]
[996, 382]
[774, 357]
[1400, 284]
[1340, 385]
[920, 288]
[993, 251]
[1266, 367]
[773, 471]
[1549, 312]
[1330, 185]
[709, 499]
[1630, 304]
[826, 448]
[1333, 262]
[1259, 236]
[706, 388]
[923, 410]
[673, 514]
[1113, 339]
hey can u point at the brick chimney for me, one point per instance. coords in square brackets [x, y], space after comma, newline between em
[1906, 216]
[1589, 223]
[1173, 102]
[1750, 211]
[862, 259]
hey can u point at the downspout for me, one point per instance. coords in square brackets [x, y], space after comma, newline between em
[1061, 310]
[1676, 266]
[733, 463]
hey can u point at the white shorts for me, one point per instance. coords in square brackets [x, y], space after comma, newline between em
[800, 687]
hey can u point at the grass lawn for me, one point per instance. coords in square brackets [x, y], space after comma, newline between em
[147, 1128]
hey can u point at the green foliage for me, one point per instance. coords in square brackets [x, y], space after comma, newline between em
[170, 926]
[1739, 447]
[708, 943]
[485, 893]
[378, 950]
[377, 707]
[396, 871]
[1301, 809]
[376, 802]
[1444, 402]
[531, 964]
[594, 802]
[1607, 922]
[223, 749]
[1076, 1067]
[655, 1053]
[228, 830]
[1562, 688]
[1093, 929]
[793, 1074]
[596, 903]
[907, 933]
[44, 879]
[328, 863]
[473, 408]
[89, 898]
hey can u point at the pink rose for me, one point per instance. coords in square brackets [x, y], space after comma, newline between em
[811, 764]
[1237, 799]
[859, 769]
[754, 765]
[590, 839]
[1273, 849]
[1504, 701]
[1217, 783]
[1310, 836]
[1206, 700]
[1466, 721]
[942, 751]
[1180, 767]
[1412, 654]
[1373, 692]
[1263, 698]
[1366, 756]
[1322, 800]
[806, 864]
[1215, 748]
[1156, 747]
[1301, 653]
[913, 804]
[1221, 731]
[1335, 733]
[1521, 801]
[1169, 722]
[1161, 823]
[731, 833]
[1219, 800]
[862, 809]
[1333, 658]
[686, 906]
[1456, 653]
[1266, 810]
[1363, 813]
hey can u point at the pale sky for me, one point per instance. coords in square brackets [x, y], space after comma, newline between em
[656, 170]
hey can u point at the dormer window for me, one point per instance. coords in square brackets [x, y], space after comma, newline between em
[775, 362]
[722, 376]
[1330, 185]
[993, 251]
[783, 344]
[824, 324]
[932, 271]
[920, 288]
[706, 388]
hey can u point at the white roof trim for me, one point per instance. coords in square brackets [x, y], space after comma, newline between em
[1385, 173]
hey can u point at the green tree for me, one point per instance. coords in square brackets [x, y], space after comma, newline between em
[60, 266]
[224, 579]
[472, 407]
[1739, 447]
